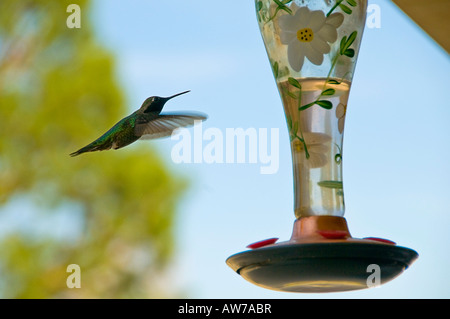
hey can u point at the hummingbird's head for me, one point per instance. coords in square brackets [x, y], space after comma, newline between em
[156, 103]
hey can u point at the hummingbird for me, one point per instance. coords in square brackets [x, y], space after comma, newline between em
[145, 123]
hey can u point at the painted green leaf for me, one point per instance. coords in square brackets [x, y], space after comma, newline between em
[275, 69]
[282, 6]
[345, 8]
[350, 40]
[306, 106]
[259, 5]
[288, 10]
[325, 104]
[329, 92]
[346, 43]
[342, 44]
[294, 82]
[352, 3]
[330, 184]
[333, 81]
[350, 53]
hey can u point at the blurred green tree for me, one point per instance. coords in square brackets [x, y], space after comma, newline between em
[58, 92]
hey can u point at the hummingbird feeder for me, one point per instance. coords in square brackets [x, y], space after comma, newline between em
[312, 47]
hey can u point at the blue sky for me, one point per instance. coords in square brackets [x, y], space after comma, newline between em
[396, 174]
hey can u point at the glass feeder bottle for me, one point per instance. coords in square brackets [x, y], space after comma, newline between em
[313, 47]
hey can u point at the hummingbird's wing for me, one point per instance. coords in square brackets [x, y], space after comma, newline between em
[165, 124]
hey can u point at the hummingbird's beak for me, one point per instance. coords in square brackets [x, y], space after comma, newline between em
[171, 97]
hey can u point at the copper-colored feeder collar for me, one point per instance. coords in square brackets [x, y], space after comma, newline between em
[320, 229]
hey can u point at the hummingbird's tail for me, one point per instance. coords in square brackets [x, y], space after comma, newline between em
[94, 146]
[80, 151]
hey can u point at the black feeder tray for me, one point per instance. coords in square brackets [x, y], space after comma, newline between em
[321, 256]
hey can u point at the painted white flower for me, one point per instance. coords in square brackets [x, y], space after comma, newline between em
[308, 34]
[341, 110]
[318, 146]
